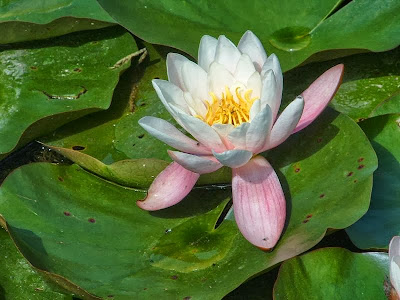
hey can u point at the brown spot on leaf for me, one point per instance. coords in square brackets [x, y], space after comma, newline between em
[67, 213]
[297, 170]
[78, 70]
[60, 178]
[33, 68]
[174, 277]
[141, 136]
[92, 220]
[305, 221]
[350, 173]
[78, 148]
[360, 167]
[322, 195]
[360, 159]
[309, 216]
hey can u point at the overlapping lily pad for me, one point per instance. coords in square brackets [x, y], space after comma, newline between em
[45, 84]
[294, 30]
[381, 223]
[57, 214]
[333, 273]
[371, 83]
[25, 20]
[18, 280]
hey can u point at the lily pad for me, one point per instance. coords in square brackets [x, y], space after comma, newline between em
[176, 252]
[381, 222]
[45, 84]
[333, 273]
[25, 20]
[18, 280]
[370, 87]
[294, 30]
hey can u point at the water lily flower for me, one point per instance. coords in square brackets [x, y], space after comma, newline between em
[229, 103]
[394, 261]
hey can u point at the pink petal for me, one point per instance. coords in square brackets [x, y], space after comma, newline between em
[259, 203]
[318, 94]
[169, 187]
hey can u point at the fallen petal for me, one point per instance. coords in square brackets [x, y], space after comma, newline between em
[259, 203]
[318, 94]
[170, 187]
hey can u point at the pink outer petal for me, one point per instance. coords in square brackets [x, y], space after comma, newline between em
[259, 203]
[318, 94]
[169, 187]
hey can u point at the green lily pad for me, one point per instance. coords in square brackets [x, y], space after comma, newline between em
[333, 273]
[25, 20]
[294, 30]
[370, 87]
[65, 219]
[381, 222]
[45, 84]
[18, 280]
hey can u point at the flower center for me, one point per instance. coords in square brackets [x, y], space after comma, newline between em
[227, 110]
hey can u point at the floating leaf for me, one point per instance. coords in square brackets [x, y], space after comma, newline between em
[294, 30]
[45, 84]
[18, 280]
[25, 20]
[57, 214]
[370, 87]
[381, 223]
[333, 273]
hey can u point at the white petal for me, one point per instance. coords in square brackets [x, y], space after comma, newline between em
[208, 45]
[194, 163]
[196, 107]
[167, 133]
[254, 83]
[394, 247]
[223, 131]
[395, 273]
[174, 69]
[227, 54]
[238, 136]
[170, 94]
[201, 131]
[285, 124]
[259, 130]
[244, 69]
[272, 63]
[233, 158]
[270, 94]
[251, 45]
[195, 80]
[255, 109]
[219, 78]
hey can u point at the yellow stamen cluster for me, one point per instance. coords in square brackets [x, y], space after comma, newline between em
[226, 110]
